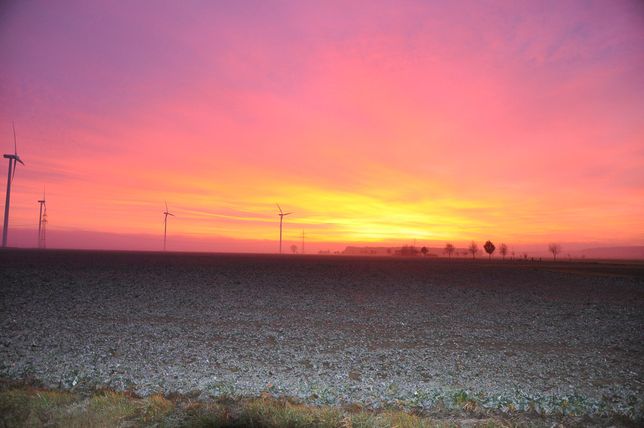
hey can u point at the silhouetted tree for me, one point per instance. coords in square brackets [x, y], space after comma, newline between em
[503, 250]
[294, 248]
[449, 250]
[555, 249]
[424, 250]
[489, 248]
[473, 249]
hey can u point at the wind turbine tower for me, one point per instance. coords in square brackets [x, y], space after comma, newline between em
[282, 214]
[42, 222]
[13, 160]
[166, 213]
[44, 227]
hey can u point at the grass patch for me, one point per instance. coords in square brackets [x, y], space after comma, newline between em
[33, 407]
[157, 407]
[269, 412]
[25, 406]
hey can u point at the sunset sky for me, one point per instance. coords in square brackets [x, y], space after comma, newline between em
[375, 122]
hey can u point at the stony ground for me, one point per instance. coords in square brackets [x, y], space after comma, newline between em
[547, 337]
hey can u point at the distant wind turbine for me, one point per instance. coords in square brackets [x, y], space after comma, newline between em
[166, 213]
[281, 214]
[42, 221]
[13, 159]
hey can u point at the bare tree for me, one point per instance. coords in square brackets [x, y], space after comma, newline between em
[473, 249]
[424, 250]
[489, 248]
[503, 250]
[555, 249]
[449, 250]
[294, 248]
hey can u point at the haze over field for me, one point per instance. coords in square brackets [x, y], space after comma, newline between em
[376, 124]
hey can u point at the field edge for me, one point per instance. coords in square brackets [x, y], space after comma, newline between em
[25, 404]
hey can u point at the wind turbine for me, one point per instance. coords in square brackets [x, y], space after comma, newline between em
[281, 214]
[13, 159]
[42, 221]
[166, 213]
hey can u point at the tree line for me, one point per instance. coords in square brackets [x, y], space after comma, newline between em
[474, 250]
[490, 248]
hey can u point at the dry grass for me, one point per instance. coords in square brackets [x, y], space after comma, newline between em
[33, 407]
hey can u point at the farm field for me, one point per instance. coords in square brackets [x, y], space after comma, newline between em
[542, 338]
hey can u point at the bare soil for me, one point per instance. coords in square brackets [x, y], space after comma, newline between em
[542, 337]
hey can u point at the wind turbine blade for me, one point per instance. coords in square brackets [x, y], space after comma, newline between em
[15, 145]
[19, 160]
[289, 213]
[280, 208]
[166, 205]
[171, 214]
[14, 170]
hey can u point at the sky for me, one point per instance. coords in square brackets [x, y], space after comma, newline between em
[379, 123]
